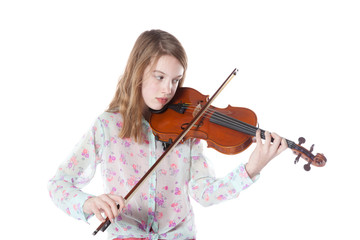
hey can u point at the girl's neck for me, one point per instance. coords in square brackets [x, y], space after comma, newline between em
[146, 114]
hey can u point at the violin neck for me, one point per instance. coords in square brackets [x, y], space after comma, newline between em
[240, 126]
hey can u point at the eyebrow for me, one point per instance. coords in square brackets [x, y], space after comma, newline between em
[165, 73]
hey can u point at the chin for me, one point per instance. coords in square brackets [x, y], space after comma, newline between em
[158, 109]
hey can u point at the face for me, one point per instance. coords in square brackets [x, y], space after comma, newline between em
[160, 81]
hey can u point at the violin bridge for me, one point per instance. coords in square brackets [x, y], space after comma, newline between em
[197, 110]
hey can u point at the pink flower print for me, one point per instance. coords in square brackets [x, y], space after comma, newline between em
[151, 212]
[172, 223]
[65, 194]
[122, 181]
[113, 140]
[135, 168]
[68, 211]
[122, 159]
[127, 228]
[142, 225]
[163, 172]
[113, 190]
[85, 153]
[177, 191]
[72, 162]
[173, 169]
[176, 207]
[195, 187]
[144, 196]
[166, 187]
[119, 124]
[142, 153]
[243, 173]
[105, 122]
[232, 191]
[127, 142]
[205, 164]
[77, 207]
[112, 158]
[206, 197]
[221, 197]
[109, 175]
[159, 199]
[178, 153]
[159, 215]
[195, 157]
[132, 181]
[80, 172]
[231, 175]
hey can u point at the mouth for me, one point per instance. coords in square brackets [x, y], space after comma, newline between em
[162, 100]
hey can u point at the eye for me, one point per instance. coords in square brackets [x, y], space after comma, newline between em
[159, 77]
[176, 80]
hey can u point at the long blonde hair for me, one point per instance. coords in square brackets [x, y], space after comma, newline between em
[148, 48]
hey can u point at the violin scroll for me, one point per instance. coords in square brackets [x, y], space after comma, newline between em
[319, 160]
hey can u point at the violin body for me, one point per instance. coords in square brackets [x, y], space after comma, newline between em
[168, 124]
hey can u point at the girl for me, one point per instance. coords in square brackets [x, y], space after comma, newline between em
[122, 143]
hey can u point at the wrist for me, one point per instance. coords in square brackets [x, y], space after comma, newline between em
[251, 171]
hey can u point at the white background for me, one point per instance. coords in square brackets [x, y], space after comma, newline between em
[299, 67]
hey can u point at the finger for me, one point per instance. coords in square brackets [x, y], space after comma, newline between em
[109, 206]
[119, 200]
[275, 144]
[267, 138]
[277, 140]
[283, 145]
[97, 213]
[258, 137]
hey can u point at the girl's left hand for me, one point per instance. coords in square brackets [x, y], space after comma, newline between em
[264, 152]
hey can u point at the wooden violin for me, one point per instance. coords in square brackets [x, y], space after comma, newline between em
[229, 130]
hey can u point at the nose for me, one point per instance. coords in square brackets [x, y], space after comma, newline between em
[166, 86]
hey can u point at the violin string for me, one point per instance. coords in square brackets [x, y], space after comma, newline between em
[228, 121]
[233, 123]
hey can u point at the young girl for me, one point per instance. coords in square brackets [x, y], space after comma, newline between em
[122, 143]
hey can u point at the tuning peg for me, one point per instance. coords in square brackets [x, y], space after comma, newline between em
[297, 158]
[312, 148]
[301, 140]
[307, 166]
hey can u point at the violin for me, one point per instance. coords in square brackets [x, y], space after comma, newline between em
[230, 130]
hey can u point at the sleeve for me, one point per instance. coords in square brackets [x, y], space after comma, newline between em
[76, 172]
[206, 189]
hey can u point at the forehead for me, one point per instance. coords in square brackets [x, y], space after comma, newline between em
[167, 64]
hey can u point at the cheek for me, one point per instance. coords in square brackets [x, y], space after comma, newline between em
[173, 90]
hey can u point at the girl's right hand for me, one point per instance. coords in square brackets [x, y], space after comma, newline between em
[106, 203]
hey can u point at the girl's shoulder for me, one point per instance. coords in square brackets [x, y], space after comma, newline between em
[110, 118]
